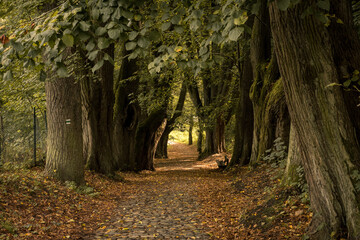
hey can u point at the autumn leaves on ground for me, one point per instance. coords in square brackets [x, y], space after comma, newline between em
[184, 198]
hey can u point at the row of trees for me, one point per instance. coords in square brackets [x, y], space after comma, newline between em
[282, 67]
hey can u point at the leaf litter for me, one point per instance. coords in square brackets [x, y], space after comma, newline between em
[193, 198]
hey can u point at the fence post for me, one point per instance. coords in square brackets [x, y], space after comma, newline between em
[1, 139]
[34, 136]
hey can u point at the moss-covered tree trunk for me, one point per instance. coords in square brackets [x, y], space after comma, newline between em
[98, 102]
[325, 129]
[64, 157]
[271, 119]
[293, 161]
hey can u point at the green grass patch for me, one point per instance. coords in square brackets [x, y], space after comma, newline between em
[182, 136]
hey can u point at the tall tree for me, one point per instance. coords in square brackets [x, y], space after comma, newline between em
[64, 158]
[308, 64]
[98, 103]
[161, 151]
[271, 119]
[244, 115]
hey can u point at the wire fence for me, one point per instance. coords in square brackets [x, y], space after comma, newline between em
[23, 138]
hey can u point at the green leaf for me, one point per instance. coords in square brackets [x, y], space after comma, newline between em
[114, 33]
[68, 40]
[235, 33]
[103, 43]
[8, 76]
[283, 4]
[176, 19]
[95, 13]
[238, 21]
[127, 14]
[216, 26]
[143, 42]
[165, 26]
[203, 50]
[133, 55]
[130, 46]
[197, 13]
[179, 29]
[98, 65]
[133, 35]
[110, 25]
[154, 35]
[324, 4]
[347, 83]
[93, 55]
[117, 14]
[90, 46]
[62, 71]
[84, 36]
[194, 25]
[108, 58]
[100, 31]
[84, 26]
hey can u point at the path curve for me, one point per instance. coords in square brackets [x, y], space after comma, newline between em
[162, 204]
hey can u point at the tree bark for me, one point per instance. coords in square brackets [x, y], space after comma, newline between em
[64, 159]
[127, 115]
[293, 160]
[148, 135]
[191, 127]
[321, 120]
[244, 111]
[2, 138]
[98, 102]
[271, 119]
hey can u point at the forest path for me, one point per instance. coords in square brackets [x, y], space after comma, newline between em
[166, 204]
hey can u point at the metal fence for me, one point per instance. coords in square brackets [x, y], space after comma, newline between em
[23, 137]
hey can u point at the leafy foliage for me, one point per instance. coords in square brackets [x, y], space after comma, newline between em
[276, 155]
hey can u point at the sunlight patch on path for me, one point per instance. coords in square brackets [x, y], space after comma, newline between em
[183, 157]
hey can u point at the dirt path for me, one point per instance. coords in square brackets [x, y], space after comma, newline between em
[164, 204]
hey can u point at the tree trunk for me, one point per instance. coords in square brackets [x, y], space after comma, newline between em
[271, 119]
[148, 135]
[244, 111]
[293, 160]
[200, 138]
[219, 136]
[161, 151]
[321, 120]
[127, 116]
[2, 138]
[64, 159]
[98, 99]
[191, 126]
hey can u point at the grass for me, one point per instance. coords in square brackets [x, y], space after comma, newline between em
[182, 136]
